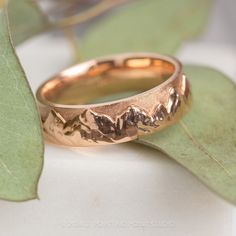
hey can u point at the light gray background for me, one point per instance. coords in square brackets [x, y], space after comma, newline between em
[222, 24]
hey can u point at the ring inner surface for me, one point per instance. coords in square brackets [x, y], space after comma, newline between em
[107, 80]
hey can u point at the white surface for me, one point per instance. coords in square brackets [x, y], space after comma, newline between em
[221, 57]
[123, 189]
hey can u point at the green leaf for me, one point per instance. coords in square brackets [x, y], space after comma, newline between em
[155, 25]
[21, 146]
[26, 20]
[205, 140]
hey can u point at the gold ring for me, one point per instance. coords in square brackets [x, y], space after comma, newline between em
[69, 119]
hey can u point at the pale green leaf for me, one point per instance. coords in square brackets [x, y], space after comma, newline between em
[26, 20]
[21, 146]
[205, 140]
[154, 25]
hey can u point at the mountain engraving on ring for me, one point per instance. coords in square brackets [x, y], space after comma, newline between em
[133, 121]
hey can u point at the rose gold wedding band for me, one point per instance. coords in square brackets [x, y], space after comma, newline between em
[69, 119]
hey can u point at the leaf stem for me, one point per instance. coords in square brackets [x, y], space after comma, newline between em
[74, 42]
[89, 14]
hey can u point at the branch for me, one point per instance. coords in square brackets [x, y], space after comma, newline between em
[89, 14]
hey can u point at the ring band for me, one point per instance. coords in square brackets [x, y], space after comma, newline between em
[164, 98]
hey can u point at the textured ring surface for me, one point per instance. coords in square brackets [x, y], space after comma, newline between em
[164, 98]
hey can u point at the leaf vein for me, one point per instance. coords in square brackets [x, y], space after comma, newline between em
[202, 148]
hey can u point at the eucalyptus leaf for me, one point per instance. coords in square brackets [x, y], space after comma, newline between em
[205, 140]
[26, 20]
[21, 146]
[154, 25]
